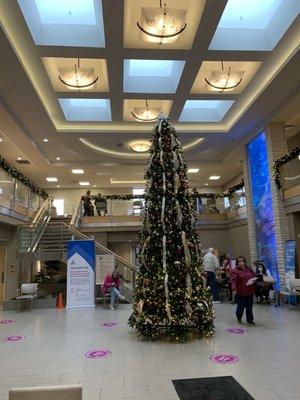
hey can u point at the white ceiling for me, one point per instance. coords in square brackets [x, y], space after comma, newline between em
[30, 91]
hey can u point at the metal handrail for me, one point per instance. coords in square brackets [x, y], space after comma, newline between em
[44, 207]
[76, 215]
[99, 246]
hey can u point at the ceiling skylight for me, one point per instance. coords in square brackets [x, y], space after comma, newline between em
[205, 110]
[254, 25]
[152, 76]
[65, 23]
[86, 109]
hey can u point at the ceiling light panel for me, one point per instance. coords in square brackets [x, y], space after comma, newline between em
[193, 170]
[205, 110]
[138, 106]
[84, 183]
[214, 177]
[65, 23]
[56, 66]
[51, 179]
[152, 76]
[254, 25]
[134, 10]
[86, 109]
[246, 70]
[78, 171]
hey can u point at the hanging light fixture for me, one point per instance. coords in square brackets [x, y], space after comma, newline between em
[145, 114]
[140, 146]
[78, 78]
[224, 80]
[161, 24]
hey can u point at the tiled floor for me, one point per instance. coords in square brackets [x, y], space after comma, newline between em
[53, 352]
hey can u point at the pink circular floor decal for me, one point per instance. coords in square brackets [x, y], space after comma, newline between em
[12, 339]
[224, 358]
[7, 321]
[236, 331]
[109, 324]
[99, 353]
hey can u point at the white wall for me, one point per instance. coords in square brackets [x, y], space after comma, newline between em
[11, 265]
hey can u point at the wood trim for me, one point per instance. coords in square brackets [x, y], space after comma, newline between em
[20, 209]
[292, 192]
[5, 202]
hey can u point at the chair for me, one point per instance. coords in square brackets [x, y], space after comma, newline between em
[69, 392]
[293, 288]
[28, 291]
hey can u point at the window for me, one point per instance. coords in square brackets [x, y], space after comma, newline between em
[59, 204]
[138, 204]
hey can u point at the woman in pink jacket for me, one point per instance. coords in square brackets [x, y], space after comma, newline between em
[243, 287]
[111, 284]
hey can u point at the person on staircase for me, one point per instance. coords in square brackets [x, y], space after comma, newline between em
[87, 204]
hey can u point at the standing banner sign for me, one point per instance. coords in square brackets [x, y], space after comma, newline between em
[290, 259]
[105, 264]
[81, 273]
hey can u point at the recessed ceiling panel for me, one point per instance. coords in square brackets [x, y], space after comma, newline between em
[65, 23]
[245, 70]
[57, 67]
[254, 25]
[152, 76]
[139, 107]
[136, 10]
[205, 110]
[86, 109]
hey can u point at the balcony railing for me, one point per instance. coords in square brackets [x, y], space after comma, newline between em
[16, 199]
[290, 178]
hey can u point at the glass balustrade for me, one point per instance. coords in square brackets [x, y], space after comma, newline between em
[121, 210]
[17, 197]
[290, 174]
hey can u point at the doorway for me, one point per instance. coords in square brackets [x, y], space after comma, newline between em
[2, 272]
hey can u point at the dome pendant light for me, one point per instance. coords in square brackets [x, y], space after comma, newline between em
[224, 81]
[78, 78]
[161, 25]
[146, 115]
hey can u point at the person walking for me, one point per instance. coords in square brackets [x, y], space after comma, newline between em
[243, 288]
[211, 267]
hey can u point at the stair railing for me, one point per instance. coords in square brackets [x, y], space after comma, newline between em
[32, 233]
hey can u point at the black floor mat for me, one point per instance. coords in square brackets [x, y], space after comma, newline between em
[218, 388]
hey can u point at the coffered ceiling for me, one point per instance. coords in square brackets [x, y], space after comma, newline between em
[41, 40]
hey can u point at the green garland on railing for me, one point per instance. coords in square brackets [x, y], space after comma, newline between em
[280, 162]
[15, 173]
[228, 193]
[194, 194]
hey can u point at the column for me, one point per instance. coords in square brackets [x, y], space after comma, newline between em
[267, 222]
[277, 147]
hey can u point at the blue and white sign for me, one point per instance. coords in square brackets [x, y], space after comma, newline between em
[290, 258]
[81, 273]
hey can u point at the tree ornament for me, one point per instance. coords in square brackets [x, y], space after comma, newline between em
[171, 256]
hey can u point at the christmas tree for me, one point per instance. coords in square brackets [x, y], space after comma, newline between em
[171, 299]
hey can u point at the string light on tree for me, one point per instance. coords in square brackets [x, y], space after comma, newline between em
[170, 300]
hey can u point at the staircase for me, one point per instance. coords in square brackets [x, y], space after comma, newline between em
[46, 239]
